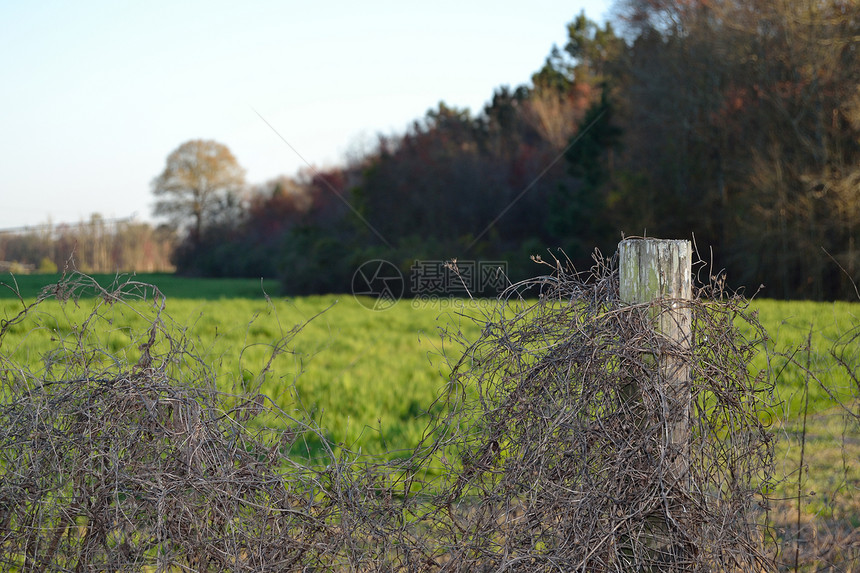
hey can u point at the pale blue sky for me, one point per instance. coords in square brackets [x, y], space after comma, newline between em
[94, 95]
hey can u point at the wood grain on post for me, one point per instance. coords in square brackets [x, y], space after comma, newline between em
[658, 272]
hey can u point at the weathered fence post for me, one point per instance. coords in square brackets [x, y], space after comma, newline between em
[657, 272]
[651, 271]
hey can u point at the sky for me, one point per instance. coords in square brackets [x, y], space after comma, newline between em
[94, 95]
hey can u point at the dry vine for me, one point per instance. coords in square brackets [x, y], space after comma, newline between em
[543, 457]
[568, 466]
[115, 465]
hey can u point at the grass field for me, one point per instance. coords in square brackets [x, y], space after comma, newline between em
[368, 377]
[29, 286]
[808, 331]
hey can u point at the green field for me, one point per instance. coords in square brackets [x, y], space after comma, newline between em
[29, 286]
[366, 377]
[809, 332]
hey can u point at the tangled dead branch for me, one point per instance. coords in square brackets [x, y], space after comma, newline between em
[112, 464]
[550, 452]
[569, 465]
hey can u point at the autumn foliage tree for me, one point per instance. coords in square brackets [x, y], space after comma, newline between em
[201, 185]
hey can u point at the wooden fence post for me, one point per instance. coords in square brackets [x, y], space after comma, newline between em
[657, 272]
[652, 270]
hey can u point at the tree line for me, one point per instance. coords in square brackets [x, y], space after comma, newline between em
[97, 245]
[736, 123]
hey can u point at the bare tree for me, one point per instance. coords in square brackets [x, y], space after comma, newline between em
[201, 181]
